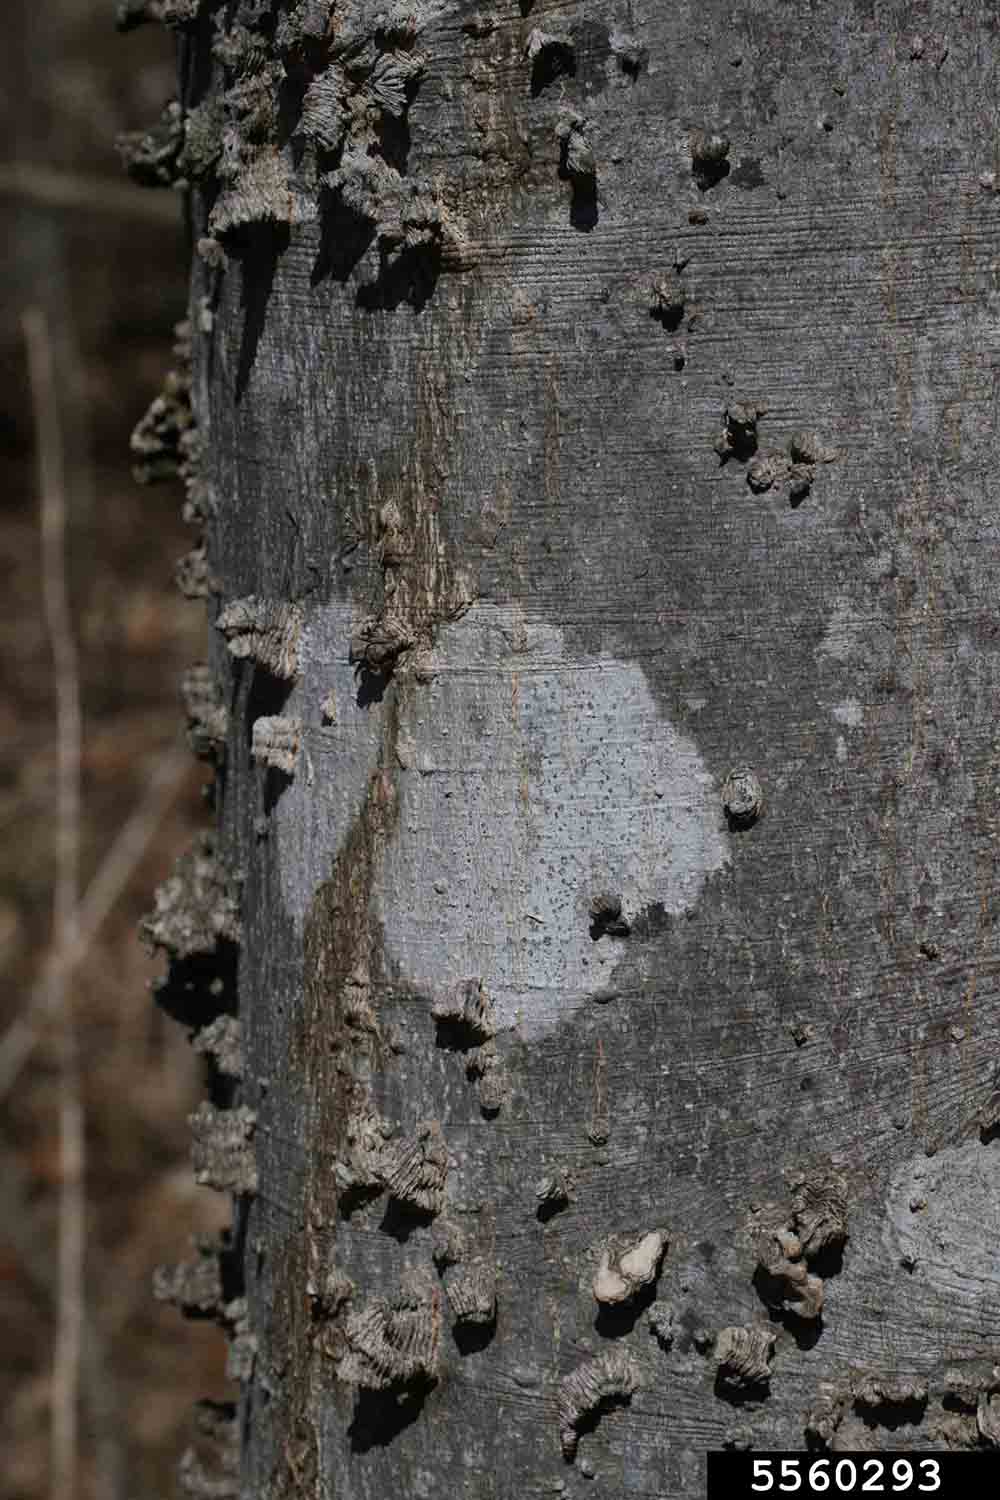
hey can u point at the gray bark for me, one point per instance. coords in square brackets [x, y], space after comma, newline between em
[596, 415]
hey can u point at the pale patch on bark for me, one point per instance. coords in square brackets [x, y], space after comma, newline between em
[849, 712]
[529, 778]
[537, 777]
[942, 1221]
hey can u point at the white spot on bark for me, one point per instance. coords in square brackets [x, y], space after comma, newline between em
[845, 632]
[538, 777]
[850, 713]
[531, 778]
[951, 1234]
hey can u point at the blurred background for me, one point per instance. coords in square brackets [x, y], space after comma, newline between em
[98, 267]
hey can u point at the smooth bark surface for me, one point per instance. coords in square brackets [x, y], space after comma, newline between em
[595, 401]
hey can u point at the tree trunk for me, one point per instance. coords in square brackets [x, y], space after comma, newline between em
[595, 410]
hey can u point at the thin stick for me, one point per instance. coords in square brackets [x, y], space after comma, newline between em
[75, 191]
[106, 886]
[25, 1230]
[55, 598]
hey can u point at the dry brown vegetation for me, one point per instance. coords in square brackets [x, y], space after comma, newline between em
[105, 264]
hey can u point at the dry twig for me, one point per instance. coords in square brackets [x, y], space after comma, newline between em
[107, 885]
[55, 600]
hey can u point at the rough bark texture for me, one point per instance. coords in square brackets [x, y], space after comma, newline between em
[597, 412]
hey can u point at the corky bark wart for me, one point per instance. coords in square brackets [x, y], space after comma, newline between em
[545, 613]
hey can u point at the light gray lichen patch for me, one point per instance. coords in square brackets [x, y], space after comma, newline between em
[952, 1235]
[565, 780]
[847, 634]
[849, 712]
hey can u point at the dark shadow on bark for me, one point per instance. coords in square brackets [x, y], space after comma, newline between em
[616, 929]
[266, 698]
[220, 1089]
[583, 212]
[275, 782]
[473, 1338]
[805, 1331]
[552, 1206]
[693, 1332]
[353, 1199]
[231, 1266]
[194, 991]
[408, 278]
[591, 1420]
[614, 1322]
[400, 1220]
[456, 1036]
[291, 92]
[829, 1262]
[892, 1414]
[651, 921]
[743, 444]
[380, 1416]
[554, 61]
[345, 237]
[393, 133]
[669, 318]
[741, 1395]
[258, 248]
[371, 686]
[747, 174]
[988, 1133]
[741, 824]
